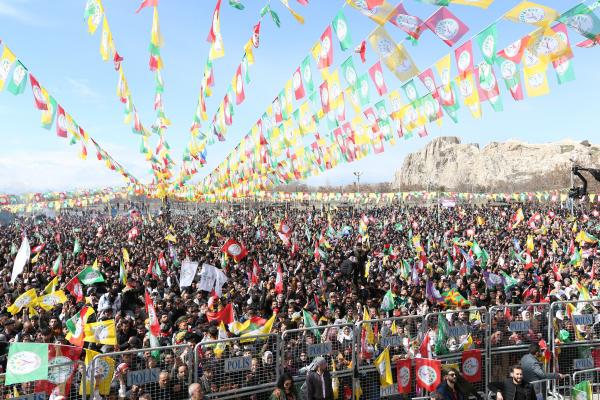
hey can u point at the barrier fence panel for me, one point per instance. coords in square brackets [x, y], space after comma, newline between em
[402, 336]
[575, 334]
[336, 343]
[593, 376]
[63, 378]
[511, 329]
[240, 365]
[453, 333]
[163, 372]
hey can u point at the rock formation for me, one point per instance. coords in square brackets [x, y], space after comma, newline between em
[513, 166]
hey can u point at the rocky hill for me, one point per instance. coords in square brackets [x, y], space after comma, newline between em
[513, 166]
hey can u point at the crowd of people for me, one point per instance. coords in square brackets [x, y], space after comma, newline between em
[307, 265]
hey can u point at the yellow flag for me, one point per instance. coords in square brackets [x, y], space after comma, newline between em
[155, 38]
[367, 327]
[23, 300]
[307, 121]
[248, 49]
[105, 41]
[263, 330]
[532, 13]
[536, 81]
[480, 221]
[125, 254]
[95, 14]
[171, 238]
[104, 372]
[384, 367]
[7, 60]
[217, 49]
[51, 286]
[296, 16]
[103, 332]
[476, 3]
[395, 56]
[379, 13]
[529, 243]
[49, 301]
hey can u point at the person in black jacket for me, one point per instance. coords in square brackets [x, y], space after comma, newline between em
[448, 389]
[318, 381]
[513, 388]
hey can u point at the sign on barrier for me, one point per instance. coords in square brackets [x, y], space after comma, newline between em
[238, 365]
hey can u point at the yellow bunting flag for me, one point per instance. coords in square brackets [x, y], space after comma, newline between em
[7, 60]
[23, 300]
[528, 12]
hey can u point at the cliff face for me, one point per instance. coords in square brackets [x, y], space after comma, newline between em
[513, 166]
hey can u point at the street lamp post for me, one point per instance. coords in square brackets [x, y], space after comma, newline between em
[357, 174]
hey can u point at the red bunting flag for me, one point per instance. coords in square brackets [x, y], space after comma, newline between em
[403, 376]
[376, 74]
[326, 56]
[214, 27]
[471, 365]
[225, 315]
[324, 94]
[514, 51]
[374, 3]
[239, 86]
[152, 316]
[61, 122]
[408, 23]
[362, 49]
[117, 61]
[75, 288]
[40, 103]
[428, 80]
[234, 249]
[256, 35]
[298, 84]
[446, 26]
[147, 3]
[429, 373]
[464, 58]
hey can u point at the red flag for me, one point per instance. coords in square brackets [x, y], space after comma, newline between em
[362, 49]
[403, 376]
[446, 26]
[61, 362]
[279, 280]
[277, 111]
[40, 102]
[377, 77]
[61, 123]
[117, 61]
[255, 272]
[303, 2]
[147, 3]
[428, 80]
[471, 365]
[373, 3]
[514, 51]
[464, 59]
[326, 56]
[408, 23]
[424, 347]
[133, 233]
[528, 260]
[38, 248]
[75, 288]
[239, 86]
[256, 35]
[324, 94]
[214, 27]
[151, 311]
[225, 315]
[234, 249]
[429, 373]
[298, 84]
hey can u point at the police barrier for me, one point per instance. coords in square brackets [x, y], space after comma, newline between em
[511, 329]
[452, 333]
[163, 372]
[575, 334]
[335, 343]
[63, 378]
[591, 375]
[237, 365]
[402, 336]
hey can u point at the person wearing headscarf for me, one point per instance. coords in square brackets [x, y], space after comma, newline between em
[318, 381]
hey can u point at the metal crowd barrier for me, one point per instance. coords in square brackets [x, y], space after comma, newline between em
[511, 329]
[336, 343]
[164, 372]
[237, 366]
[59, 375]
[592, 375]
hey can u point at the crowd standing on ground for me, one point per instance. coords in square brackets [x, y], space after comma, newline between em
[340, 264]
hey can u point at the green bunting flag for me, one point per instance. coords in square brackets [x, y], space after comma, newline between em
[236, 4]
[18, 79]
[309, 322]
[90, 276]
[307, 75]
[487, 40]
[582, 391]
[442, 336]
[582, 19]
[564, 71]
[27, 362]
[349, 71]
[340, 26]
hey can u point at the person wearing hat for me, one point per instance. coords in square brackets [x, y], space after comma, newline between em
[318, 381]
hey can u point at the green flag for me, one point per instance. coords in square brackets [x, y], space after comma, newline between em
[13, 249]
[449, 265]
[564, 71]
[388, 302]
[90, 276]
[582, 391]
[581, 19]
[27, 362]
[18, 79]
[307, 75]
[76, 247]
[487, 40]
[362, 88]
[406, 269]
[236, 4]
[509, 281]
[477, 250]
[309, 322]
[349, 71]
[340, 26]
[442, 336]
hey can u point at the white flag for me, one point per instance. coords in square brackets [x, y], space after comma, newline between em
[220, 280]
[21, 259]
[208, 276]
[188, 273]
